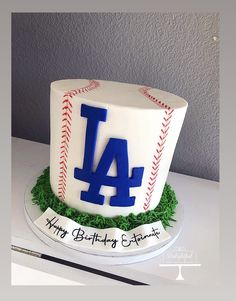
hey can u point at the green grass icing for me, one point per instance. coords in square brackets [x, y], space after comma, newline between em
[44, 198]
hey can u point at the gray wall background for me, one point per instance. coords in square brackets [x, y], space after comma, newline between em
[175, 52]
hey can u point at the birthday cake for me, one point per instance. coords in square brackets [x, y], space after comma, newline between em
[111, 148]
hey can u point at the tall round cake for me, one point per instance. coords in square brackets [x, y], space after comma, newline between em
[111, 145]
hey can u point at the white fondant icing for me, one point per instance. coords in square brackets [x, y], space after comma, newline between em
[111, 240]
[131, 115]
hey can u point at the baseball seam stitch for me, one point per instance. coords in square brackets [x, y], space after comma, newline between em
[66, 120]
[153, 177]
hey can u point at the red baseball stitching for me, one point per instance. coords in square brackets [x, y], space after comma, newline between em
[67, 107]
[160, 145]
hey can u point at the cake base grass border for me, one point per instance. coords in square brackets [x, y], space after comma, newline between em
[43, 196]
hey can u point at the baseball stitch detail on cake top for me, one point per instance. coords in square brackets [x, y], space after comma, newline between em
[67, 107]
[159, 147]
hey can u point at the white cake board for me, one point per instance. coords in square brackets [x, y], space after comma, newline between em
[33, 212]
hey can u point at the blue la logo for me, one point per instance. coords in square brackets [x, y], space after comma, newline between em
[116, 149]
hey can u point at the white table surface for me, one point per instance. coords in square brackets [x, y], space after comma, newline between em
[200, 234]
